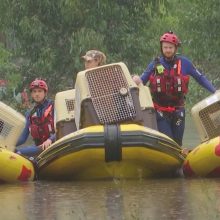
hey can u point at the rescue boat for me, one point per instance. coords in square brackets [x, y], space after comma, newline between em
[106, 128]
[14, 168]
[204, 160]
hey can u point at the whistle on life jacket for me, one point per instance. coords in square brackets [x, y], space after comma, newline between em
[160, 69]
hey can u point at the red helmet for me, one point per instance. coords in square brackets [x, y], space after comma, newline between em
[170, 37]
[39, 83]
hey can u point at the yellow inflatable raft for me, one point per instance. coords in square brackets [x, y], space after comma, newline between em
[13, 167]
[106, 128]
[204, 160]
[102, 152]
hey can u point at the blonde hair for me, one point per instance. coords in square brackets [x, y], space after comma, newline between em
[102, 59]
[97, 55]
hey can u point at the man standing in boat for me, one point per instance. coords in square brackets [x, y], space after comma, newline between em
[39, 121]
[168, 77]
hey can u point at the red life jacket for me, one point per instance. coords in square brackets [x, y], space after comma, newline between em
[42, 127]
[169, 87]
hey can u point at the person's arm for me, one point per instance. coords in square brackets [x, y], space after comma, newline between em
[52, 137]
[25, 133]
[201, 78]
[146, 74]
[48, 142]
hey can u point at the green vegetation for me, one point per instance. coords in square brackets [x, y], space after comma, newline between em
[47, 38]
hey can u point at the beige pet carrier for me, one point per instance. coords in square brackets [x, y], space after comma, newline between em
[108, 95]
[206, 115]
[64, 108]
[103, 95]
[11, 126]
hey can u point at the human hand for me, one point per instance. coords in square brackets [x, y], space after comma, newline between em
[185, 151]
[137, 79]
[46, 144]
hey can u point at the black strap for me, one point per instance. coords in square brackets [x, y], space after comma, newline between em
[112, 141]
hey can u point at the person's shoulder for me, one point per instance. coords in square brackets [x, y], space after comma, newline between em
[152, 63]
[48, 102]
[155, 61]
[150, 66]
[184, 58]
[28, 113]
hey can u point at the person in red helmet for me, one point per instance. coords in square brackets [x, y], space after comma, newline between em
[39, 121]
[168, 78]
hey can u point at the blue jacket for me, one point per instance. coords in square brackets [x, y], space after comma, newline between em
[187, 68]
[40, 109]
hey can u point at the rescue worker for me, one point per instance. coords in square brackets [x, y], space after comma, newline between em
[94, 58]
[39, 121]
[168, 77]
[25, 99]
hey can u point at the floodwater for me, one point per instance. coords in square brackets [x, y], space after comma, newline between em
[170, 199]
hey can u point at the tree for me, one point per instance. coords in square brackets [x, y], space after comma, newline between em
[47, 38]
[51, 36]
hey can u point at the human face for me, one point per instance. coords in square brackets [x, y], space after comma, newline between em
[91, 63]
[169, 50]
[38, 95]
